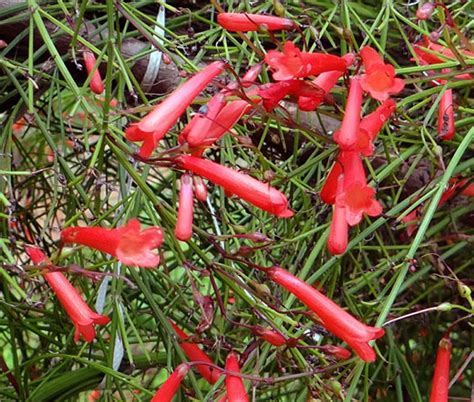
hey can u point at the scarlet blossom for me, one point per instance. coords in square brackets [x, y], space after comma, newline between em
[356, 197]
[243, 22]
[202, 121]
[293, 63]
[195, 354]
[346, 136]
[184, 222]
[96, 84]
[425, 11]
[329, 191]
[153, 127]
[411, 221]
[338, 237]
[19, 125]
[440, 384]
[379, 78]
[308, 94]
[260, 194]
[334, 318]
[233, 384]
[271, 336]
[169, 388]
[222, 124]
[78, 311]
[337, 351]
[127, 243]
[200, 188]
[446, 129]
[371, 125]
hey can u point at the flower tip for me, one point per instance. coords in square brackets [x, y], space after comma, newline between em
[287, 213]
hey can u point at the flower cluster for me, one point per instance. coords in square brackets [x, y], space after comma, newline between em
[346, 185]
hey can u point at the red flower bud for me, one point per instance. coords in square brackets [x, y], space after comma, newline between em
[195, 354]
[169, 388]
[184, 222]
[200, 188]
[338, 351]
[96, 84]
[243, 22]
[234, 385]
[446, 129]
[271, 336]
[440, 384]
[260, 194]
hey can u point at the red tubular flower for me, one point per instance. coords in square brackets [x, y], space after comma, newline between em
[221, 124]
[78, 311]
[184, 222]
[334, 318]
[425, 51]
[271, 336]
[200, 188]
[260, 194]
[446, 129]
[371, 125]
[440, 385]
[338, 351]
[338, 232]
[379, 78]
[201, 122]
[346, 136]
[357, 198]
[309, 95]
[127, 243]
[329, 190]
[169, 388]
[153, 127]
[195, 354]
[233, 384]
[293, 63]
[243, 22]
[96, 84]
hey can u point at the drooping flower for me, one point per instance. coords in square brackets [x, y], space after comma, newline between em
[308, 94]
[195, 354]
[371, 125]
[329, 191]
[243, 22]
[184, 222]
[357, 198]
[379, 78]
[169, 388]
[221, 124]
[202, 121]
[96, 84]
[153, 127]
[446, 128]
[338, 237]
[429, 52]
[78, 311]
[346, 136]
[127, 243]
[260, 194]
[293, 63]
[440, 384]
[337, 351]
[200, 188]
[233, 384]
[334, 318]
[271, 336]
